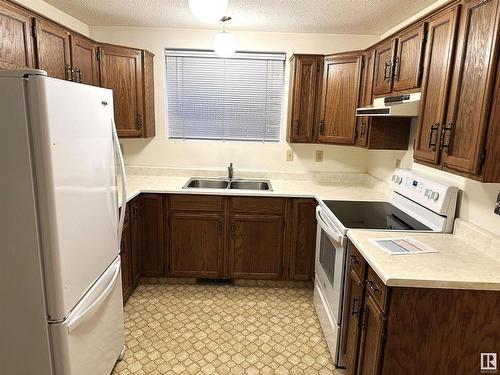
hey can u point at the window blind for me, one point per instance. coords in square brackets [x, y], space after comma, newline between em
[239, 98]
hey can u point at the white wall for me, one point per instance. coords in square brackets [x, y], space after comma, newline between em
[160, 151]
[56, 15]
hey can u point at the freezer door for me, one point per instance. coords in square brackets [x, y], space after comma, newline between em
[71, 126]
[91, 338]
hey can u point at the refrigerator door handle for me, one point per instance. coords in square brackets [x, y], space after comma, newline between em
[80, 318]
[123, 204]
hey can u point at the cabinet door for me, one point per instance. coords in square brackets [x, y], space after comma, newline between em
[195, 244]
[149, 129]
[303, 239]
[353, 328]
[303, 89]
[136, 238]
[384, 59]
[126, 262]
[84, 60]
[53, 49]
[472, 86]
[341, 84]
[153, 251]
[16, 51]
[372, 339]
[435, 84]
[408, 62]
[121, 71]
[256, 246]
[363, 123]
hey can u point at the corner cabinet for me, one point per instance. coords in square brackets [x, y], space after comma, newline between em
[30, 40]
[122, 70]
[340, 94]
[459, 129]
[304, 94]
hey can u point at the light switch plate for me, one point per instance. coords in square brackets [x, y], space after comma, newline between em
[319, 155]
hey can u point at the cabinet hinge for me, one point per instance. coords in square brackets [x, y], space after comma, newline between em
[482, 157]
[362, 64]
[97, 55]
[34, 30]
[139, 121]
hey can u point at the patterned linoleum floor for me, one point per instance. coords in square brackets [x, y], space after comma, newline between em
[197, 329]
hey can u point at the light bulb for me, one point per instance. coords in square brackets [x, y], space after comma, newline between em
[224, 44]
[208, 10]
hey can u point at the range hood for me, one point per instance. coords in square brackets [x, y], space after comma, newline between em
[405, 105]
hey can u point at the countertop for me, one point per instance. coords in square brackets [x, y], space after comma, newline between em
[467, 259]
[348, 186]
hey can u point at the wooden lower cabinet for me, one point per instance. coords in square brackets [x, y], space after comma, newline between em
[126, 260]
[302, 239]
[372, 338]
[136, 238]
[355, 300]
[256, 246]
[152, 248]
[196, 244]
[416, 331]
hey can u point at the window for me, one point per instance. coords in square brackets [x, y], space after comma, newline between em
[239, 98]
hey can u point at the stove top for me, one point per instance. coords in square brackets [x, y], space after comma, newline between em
[373, 215]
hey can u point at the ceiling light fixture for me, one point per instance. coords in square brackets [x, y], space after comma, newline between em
[208, 10]
[224, 42]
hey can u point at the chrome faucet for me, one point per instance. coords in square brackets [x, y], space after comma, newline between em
[230, 171]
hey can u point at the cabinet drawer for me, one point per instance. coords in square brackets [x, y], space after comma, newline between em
[196, 202]
[377, 289]
[259, 205]
[357, 262]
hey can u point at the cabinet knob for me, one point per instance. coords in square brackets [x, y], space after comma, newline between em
[322, 127]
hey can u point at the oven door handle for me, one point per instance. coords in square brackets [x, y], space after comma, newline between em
[331, 232]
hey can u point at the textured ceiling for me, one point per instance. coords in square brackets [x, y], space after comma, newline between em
[311, 16]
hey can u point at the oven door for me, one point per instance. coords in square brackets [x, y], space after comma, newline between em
[331, 248]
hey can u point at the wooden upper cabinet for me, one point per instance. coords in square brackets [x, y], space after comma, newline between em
[256, 246]
[365, 98]
[53, 49]
[148, 129]
[435, 84]
[196, 244]
[408, 61]
[472, 87]
[383, 70]
[340, 98]
[305, 82]
[84, 60]
[121, 71]
[16, 43]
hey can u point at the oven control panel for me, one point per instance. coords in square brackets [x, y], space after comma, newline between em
[434, 195]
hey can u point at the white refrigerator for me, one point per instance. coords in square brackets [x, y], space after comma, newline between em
[61, 309]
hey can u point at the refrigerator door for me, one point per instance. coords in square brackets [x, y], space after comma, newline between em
[71, 126]
[91, 339]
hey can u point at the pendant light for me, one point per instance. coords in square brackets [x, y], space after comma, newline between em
[224, 42]
[208, 10]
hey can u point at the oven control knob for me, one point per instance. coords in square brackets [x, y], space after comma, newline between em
[434, 196]
[397, 179]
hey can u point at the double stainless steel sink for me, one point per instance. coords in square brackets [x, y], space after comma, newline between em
[225, 183]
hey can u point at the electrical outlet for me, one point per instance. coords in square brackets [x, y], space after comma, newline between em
[289, 155]
[497, 206]
[398, 163]
[319, 155]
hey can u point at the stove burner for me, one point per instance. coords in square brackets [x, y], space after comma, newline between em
[373, 215]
